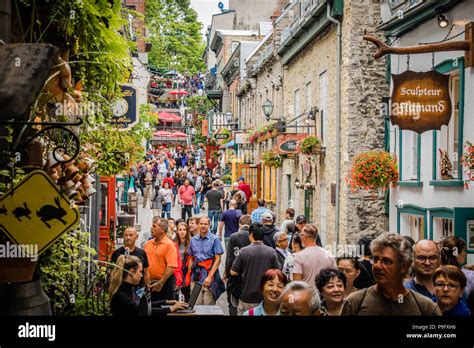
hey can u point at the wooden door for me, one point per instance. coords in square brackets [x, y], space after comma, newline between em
[252, 175]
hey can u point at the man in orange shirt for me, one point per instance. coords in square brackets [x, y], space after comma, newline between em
[163, 260]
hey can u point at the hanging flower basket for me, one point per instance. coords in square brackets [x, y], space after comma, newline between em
[373, 170]
[468, 162]
[271, 159]
[310, 145]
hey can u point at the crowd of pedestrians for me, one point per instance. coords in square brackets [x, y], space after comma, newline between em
[271, 268]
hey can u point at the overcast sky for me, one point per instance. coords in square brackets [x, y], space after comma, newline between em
[205, 10]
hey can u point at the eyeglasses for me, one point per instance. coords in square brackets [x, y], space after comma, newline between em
[282, 240]
[385, 261]
[441, 285]
[422, 259]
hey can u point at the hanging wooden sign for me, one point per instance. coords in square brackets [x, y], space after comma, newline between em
[288, 143]
[420, 100]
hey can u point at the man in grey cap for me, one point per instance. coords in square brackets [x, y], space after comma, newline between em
[269, 228]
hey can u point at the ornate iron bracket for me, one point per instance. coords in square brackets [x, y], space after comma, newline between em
[68, 135]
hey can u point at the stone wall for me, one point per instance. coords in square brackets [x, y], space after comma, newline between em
[364, 84]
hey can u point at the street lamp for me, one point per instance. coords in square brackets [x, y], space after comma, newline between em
[267, 109]
[229, 117]
[298, 184]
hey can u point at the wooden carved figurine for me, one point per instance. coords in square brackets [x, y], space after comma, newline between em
[446, 165]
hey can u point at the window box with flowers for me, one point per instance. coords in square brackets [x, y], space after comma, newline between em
[267, 131]
[271, 159]
[468, 162]
[310, 145]
[373, 170]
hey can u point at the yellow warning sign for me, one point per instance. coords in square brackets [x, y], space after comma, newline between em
[35, 212]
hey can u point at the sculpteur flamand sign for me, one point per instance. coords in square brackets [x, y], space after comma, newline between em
[420, 100]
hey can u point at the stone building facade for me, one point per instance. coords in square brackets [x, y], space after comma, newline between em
[304, 66]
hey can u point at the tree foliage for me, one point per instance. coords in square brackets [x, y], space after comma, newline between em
[174, 30]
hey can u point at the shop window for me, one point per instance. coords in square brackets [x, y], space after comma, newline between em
[447, 139]
[442, 228]
[410, 149]
[413, 225]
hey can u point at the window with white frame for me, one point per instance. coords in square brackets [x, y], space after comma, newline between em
[296, 106]
[323, 94]
[308, 96]
[411, 143]
[447, 139]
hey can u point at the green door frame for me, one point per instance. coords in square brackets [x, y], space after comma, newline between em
[442, 212]
[461, 215]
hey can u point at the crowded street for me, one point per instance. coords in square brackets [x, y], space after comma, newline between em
[165, 161]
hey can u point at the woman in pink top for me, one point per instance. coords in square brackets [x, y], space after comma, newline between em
[187, 196]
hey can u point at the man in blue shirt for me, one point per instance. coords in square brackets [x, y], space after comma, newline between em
[206, 250]
[257, 213]
[426, 261]
[230, 220]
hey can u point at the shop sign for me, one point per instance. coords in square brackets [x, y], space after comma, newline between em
[241, 138]
[420, 100]
[125, 107]
[221, 136]
[289, 143]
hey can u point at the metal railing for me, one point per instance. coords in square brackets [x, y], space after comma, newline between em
[266, 53]
[295, 14]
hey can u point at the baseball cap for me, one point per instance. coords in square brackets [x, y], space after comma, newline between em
[235, 184]
[300, 219]
[241, 178]
[267, 216]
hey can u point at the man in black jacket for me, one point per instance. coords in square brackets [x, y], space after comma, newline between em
[281, 246]
[237, 241]
[270, 229]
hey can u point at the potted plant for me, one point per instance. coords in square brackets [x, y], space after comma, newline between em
[310, 145]
[373, 170]
[468, 162]
[271, 159]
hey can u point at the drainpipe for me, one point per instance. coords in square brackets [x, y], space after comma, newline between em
[338, 117]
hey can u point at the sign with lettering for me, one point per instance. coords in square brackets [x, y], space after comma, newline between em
[241, 138]
[289, 143]
[35, 212]
[420, 100]
[221, 136]
[125, 107]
